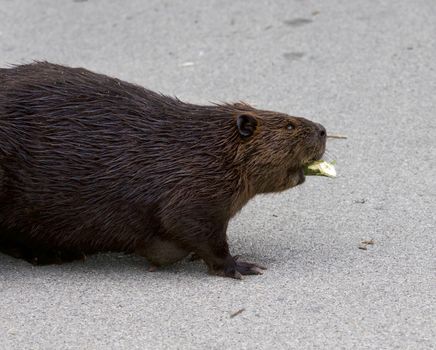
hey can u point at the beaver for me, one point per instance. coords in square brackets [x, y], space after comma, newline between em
[90, 163]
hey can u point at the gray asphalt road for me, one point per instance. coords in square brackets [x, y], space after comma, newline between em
[363, 69]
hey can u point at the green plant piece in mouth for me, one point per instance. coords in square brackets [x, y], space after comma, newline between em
[320, 168]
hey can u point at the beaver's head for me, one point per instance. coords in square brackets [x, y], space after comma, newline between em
[275, 147]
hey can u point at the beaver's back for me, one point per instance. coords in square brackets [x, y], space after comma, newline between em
[88, 158]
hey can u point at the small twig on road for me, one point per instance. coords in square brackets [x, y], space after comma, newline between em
[364, 244]
[237, 312]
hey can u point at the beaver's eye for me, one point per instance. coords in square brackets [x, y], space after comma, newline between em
[290, 126]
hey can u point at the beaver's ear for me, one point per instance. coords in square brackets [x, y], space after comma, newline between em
[247, 124]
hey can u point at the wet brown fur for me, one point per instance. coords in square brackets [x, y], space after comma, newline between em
[89, 163]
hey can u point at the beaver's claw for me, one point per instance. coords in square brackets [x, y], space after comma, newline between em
[239, 268]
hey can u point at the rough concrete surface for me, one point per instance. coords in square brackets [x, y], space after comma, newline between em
[365, 69]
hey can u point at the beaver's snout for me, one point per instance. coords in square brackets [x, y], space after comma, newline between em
[321, 131]
[319, 140]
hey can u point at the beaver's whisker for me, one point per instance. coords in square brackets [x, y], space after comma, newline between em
[336, 136]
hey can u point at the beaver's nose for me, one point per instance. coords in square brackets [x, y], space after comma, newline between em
[321, 130]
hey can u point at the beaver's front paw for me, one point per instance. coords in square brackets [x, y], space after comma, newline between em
[237, 268]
